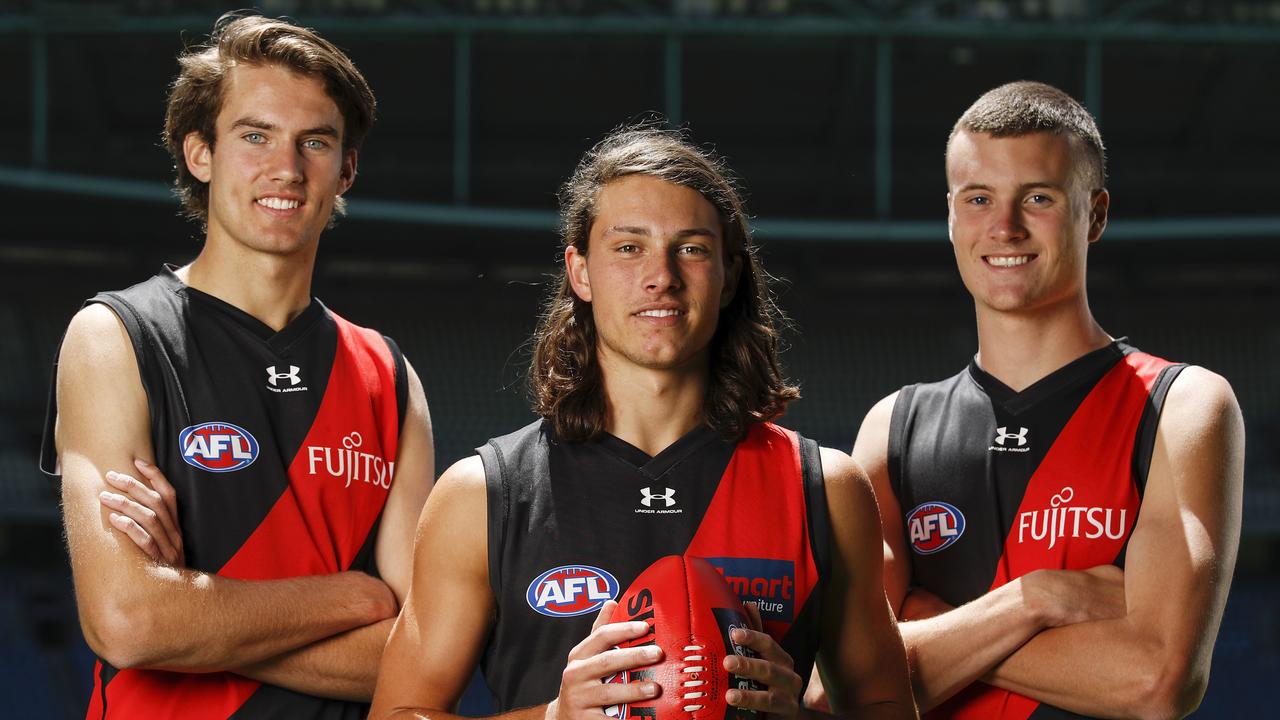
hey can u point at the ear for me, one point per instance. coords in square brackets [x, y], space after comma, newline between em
[575, 266]
[198, 155]
[951, 218]
[731, 279]
[347, 174]
[1098, 208]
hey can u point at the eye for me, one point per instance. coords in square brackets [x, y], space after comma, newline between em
[315, 144]
[256, 138]
[693, 250]
[628, 248]
[1040, 199]
[979, 200]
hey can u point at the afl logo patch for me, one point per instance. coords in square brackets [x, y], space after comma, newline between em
[934, 526]
[571, 590]
[218, 447]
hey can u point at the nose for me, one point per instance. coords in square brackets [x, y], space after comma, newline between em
[286, 164]
[661, 272]
[1007, 224]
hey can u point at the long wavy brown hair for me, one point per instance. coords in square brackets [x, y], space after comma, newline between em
[747, 384]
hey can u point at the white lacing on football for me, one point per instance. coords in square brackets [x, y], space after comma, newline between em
[693, 659]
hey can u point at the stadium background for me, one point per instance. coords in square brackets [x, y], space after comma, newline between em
[834, 114]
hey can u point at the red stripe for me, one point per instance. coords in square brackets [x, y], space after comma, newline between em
[317, 526]
[1092, 457]
[759, 511]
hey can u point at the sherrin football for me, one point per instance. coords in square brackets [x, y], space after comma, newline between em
[690, 609]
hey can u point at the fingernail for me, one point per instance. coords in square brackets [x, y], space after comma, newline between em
[141, 463]
[738, 634]
[651, 690]
[652, 653]
[108, 497]
[733, 697]
[112, 474]
[115, 519]
[640, 626]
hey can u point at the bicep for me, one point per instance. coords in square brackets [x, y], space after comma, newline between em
[415, 471]
[441, 630]
[103, 424]
[864, 649]
[1182, 552]
[871, 452]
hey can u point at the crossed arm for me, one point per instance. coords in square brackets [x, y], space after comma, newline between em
[319, 634]
[1098, 642]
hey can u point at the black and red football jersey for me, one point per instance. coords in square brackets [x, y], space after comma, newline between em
[571, 525]
[281, 447]
[994, 484]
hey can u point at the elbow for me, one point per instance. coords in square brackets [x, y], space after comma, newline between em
[1171, 689]
[119, 632]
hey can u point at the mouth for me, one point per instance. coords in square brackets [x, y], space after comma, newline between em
[279, 203]
[1007, 261]
[660, 313]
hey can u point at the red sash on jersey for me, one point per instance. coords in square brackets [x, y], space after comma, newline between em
[317, 526]
[761, 503]
[1086, 473]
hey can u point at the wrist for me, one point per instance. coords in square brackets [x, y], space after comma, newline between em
[1036, 599]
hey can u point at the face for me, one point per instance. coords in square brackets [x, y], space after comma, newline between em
[1021, 219]
[654, 273]
[277, 163]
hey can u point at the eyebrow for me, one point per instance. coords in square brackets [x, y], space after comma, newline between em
[644, 232]
[1023, 187]
[258, 124]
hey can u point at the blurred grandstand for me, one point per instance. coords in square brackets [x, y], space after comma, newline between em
[834, 114]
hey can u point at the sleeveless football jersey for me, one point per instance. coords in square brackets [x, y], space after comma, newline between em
[281, 447]
[572, 525]
[994, 483]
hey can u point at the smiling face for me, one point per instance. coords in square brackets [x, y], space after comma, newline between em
[277, 163]
[1021, 219]
[655, 273]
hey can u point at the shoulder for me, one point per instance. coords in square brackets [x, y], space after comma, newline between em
[845, 479]
[1200, 407]
[95, 338]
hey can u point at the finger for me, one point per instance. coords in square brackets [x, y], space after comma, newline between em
[596, 695]
[609, 636]
[142, 517]
[602, 665]
[606, 612]
[764, 645]
[164, 528]
[135, 533]
[770, 674]
[753, 615]
[767, 701]
[161, 485]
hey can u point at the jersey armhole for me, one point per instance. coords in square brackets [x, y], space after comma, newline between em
[137, 338]
[1145, 442]
[402, 380]
[496, 510]
[815, 500]
[897, 437]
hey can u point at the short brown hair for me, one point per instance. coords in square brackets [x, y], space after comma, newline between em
[746, 382]
[1026, 107]
[196, 96]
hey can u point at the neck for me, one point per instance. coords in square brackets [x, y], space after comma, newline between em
[1020, 348]
[652, 408]
[272, 288]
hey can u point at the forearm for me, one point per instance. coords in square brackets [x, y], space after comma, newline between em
[949, 651]
[344, 666]
[190, 621]
[1107, 668]
[538, 712]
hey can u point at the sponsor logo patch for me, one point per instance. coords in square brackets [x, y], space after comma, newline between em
[771, 584]
[571, 590]
[218, 447]
[658, 503]
[934, 526]
[1006, 441]
[1062, 520]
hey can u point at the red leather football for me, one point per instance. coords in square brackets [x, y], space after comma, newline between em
[690, 609]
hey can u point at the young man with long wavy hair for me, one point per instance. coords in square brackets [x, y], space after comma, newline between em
[655, 372]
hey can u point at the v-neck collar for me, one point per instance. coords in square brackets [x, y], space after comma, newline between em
[279, 342]
[668, 458]
[1083, 369]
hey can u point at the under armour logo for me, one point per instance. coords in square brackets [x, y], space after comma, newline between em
[1020, 436]
[274, 377]
[669, 497]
